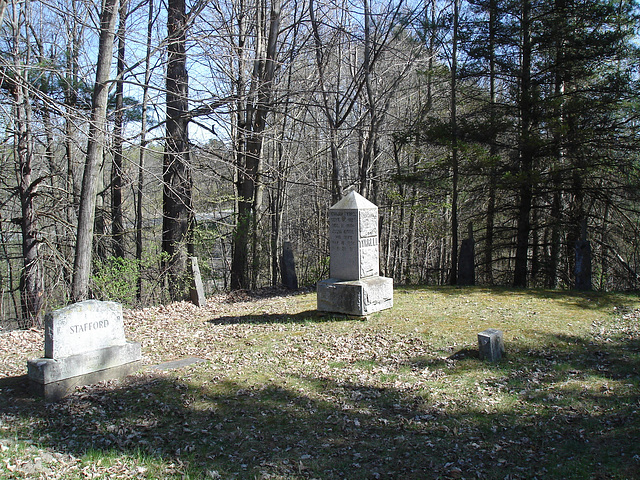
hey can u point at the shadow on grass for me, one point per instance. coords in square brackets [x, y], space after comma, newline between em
[315, 426]
[587, 300]
[309, 316]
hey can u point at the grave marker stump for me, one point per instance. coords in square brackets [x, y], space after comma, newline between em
[491, 345]
[196, 292]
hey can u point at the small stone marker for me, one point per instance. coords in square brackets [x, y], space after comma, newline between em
[288, 267]
[173, 364]
[491, 345]
[355, 286]
[84, 344]
[583, 261]
[466, 260]
[197, 289]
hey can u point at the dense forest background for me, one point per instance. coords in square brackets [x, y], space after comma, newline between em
[137, 133]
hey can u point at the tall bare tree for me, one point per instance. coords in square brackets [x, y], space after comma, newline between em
[143, 146]
[95, 145]
[117, 221]
[17, 82]
[253, 113]
[177, 211]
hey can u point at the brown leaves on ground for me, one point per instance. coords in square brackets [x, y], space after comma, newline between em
[16, 347]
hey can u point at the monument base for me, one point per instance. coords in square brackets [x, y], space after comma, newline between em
[355, 297]
[56, 378]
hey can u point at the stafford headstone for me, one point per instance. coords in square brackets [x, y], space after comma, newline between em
[583, 261]
[466, 260]
[288, 267]
[196, 291]
[355, 286]
[84, 344]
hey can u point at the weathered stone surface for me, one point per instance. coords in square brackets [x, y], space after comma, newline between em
[491, 345]
[288, 267]
[48, 370]
[196, 292]
[83, 327]
[355, 297]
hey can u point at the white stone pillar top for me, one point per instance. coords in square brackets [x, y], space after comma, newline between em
[353, 238]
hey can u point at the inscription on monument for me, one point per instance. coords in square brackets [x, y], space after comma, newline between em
[369, 263]
[343, 227]
[369, 223]
[85, 327]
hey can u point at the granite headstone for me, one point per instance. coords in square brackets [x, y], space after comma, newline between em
[288, 267]
[466, 260]
[84, 344]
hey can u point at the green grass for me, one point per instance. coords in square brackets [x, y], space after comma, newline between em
[289, 393]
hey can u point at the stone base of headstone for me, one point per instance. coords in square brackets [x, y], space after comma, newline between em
[54, 391]
[56, 378]
[355, 297]
[491, 345]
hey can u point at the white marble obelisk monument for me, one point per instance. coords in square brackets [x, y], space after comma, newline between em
[355, 286]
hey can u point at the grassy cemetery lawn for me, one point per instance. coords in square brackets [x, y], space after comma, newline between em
[288, 393]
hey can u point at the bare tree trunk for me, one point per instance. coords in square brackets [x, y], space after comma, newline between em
[31, 288]
[559, 153]
[526, 155]
[365, 158]
[337, 187]
[71, 81]
[177, 212]
[554, 253]
[86, 214]
[535, 248]
[493, 149]
[278, 202]
[3, 7]
[250, 154]
[409, 275]
[453, 278]
[117, 222]
[604, 250]
[143, 151]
